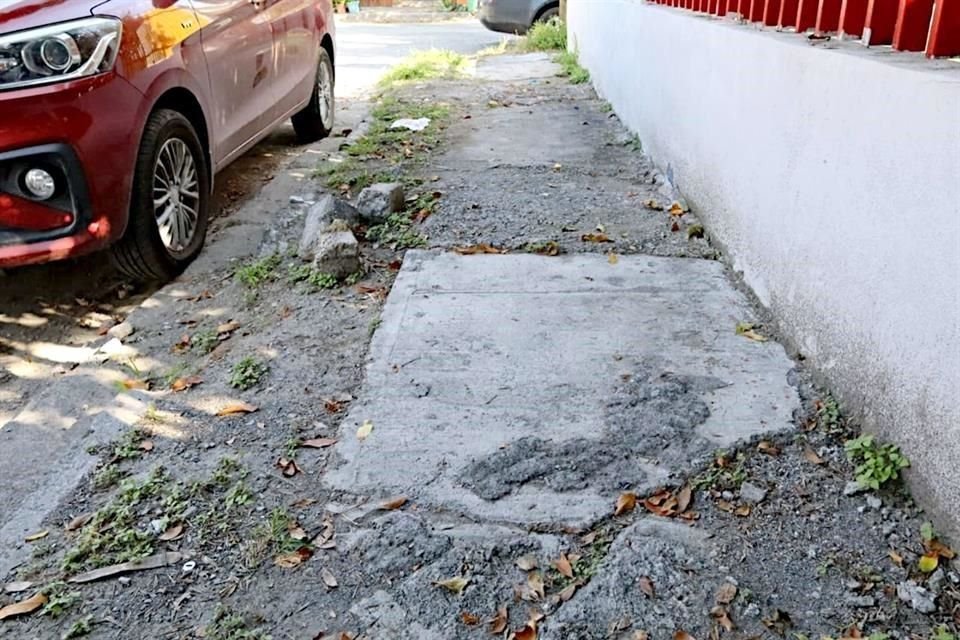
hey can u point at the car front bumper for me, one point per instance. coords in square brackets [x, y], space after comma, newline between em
[81, 133]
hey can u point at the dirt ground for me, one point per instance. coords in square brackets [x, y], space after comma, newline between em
[247, 371]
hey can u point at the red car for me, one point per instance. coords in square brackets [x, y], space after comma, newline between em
[116, 114]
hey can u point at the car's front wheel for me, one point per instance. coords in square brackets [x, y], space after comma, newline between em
[315, 121]
[170, 204]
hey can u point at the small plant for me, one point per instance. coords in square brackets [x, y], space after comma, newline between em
[247, 373]
[254, 274]
[943, 633]
[354, 278]
[239, 495]
[828, 415]
[80, 628]
[927, 532]
[59, 599]
[397, 232]
[547, 36]
[876, 463]
[605, 107]
[313, 278]
[426, 65]
[228, 625]
[724, 474]
[571, 69]
[128, 446]
[108, 476]
[374, 325]
[204, 341]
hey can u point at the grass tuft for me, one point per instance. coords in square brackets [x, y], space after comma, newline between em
[547, 36]
[570, 67]
[426, 65]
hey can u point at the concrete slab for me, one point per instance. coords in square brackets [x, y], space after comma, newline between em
[516, 68]
[528, 390]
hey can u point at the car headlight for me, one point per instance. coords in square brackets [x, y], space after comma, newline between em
[59, 52]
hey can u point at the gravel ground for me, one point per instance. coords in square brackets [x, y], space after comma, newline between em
[769, 544]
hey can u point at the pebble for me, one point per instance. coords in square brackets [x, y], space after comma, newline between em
[889, 528]
[874, 502]
[727, 495]
[121, 331]
[935, 581]
[861, 601]
[916, 596]
[853, 487]
[752, 493]
[752, 610]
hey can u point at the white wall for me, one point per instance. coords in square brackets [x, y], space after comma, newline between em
[831, 175]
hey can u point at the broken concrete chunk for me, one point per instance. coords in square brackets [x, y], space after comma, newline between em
[320, 217]
[336, 253]
[121, 331]
[916, 596]
[378, 201]
[752, 493]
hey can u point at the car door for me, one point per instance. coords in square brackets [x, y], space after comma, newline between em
[238, 46]
[297, 40]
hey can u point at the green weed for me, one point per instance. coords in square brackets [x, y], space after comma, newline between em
[570, 67]
[426, 65]
[204, 341]
[248, 373]
[876, 463]
[255, 273]
[547, 36]
[314, 279]
[725, 474]
[228, 625]
[80, 628]
[59, 599]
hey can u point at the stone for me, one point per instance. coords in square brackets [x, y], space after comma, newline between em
[121, 331]
[853, 487]
[935, 581]
[861, 601]
[752, 493]
[916, 596]
[874, 502]
[336, 253]
[378, 201]
[321, 217]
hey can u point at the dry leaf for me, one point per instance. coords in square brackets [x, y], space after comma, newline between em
[78, 522]
[295, 531]
[130, 384]
[625, 503]
[29, 605]
[895, 557]
[562, 564]
[779, 622]
[662, 503]
[527, 562]
[332, 406]
[549, 248]
[182, 384]
[529, 632]
[682, 635]
[612, 258]
[589, 538]
[726, 593]
[295, 559]
[453, 585]
[469, 619]
[394, 503]
[676, 209]
[146, 445]
[811, 456]
[235, 408]
[365, 430]
[675, 227]
[928, 563]
[173, 533]
[289, 467]
[535, 583]
[654, 205]
[319, 443]
[303, 503]
[935, 547]
[328, 578]
[768, 448]
[646, 585]
[498, 623]
[743, 510]
[723, 505]
[228, 327]
[640, 634]
[36, 536]
[684, 498]
[568, 593]
[722, 617]
[595, 237]
[477, 248]
[152, 562]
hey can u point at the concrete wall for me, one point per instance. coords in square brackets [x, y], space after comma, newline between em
[831, 175]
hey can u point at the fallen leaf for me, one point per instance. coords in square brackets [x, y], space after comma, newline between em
[469, 619]
[289, 467]
[333, 406]
[318, 443]
[130, 384]
[722, 617]
[395, 265]
[295, 531]
[812, 456]
[172, 533]
[235, 408]
[535, 583]
[640, 634]
[365, 430]
[646, 585]
[477, 248]
[529, 632]
[394, 503]
[562, 564]
[723, 505]
[182, 384]
[768, 448]
[663, 503]
[498, 623]
[935, 547]
[743, 510]
[928, 563]
[746, 329]
[146, 445]
[567, 593]
[422, 215]
[676, 209]
[550, 248]
[589, 538]
[595, 237]
[675, 227]
[303, 503]
[684, 498]
[295, 559]
[78, 522]
[895, 557]
[453, 585]
[23, 607]
[779, 621]
[17, 587]
[328, 578]
[37, 536]
[625, 503]
[527, 562]
[726, 593]
[152, 562]
[612, 258]
[682, 635]
[653, 204]
[228, 327]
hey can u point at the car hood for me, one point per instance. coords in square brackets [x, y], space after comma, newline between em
[16, 15]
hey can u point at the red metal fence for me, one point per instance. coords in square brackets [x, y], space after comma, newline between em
[931, 26]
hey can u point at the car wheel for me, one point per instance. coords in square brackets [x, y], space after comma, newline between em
[315, 121]
[548, 14]
[170, 204]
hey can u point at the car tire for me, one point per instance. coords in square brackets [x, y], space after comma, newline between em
[315, 121]
[548, 14]
[169, 210]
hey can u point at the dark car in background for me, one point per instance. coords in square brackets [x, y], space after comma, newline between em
[116, 114]
[516, 16]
